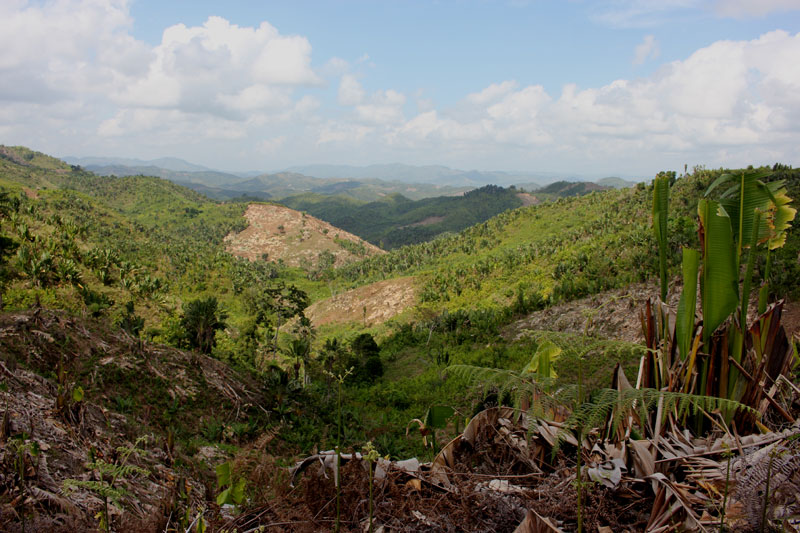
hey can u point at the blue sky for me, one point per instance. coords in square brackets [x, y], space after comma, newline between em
[625, 87]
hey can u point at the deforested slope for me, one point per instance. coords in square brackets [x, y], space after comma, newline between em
[278, 233]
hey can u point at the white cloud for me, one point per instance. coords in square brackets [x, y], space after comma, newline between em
[221, 67]
[46, 46]
[350, 90]
[72, 78]
[492, 93]
[736, 97]
[640, 13]
[384, 107]
[336, 66]
[272, 145]
[648, 13]
[647, 49]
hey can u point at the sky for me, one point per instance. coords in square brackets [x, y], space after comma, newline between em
[600, 87]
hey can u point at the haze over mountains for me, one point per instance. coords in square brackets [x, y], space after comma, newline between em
[361, 182]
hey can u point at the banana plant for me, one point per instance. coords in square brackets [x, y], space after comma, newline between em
[749, 217]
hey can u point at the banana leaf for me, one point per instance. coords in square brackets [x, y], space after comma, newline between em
[719, 283]
[688, 302]
[541, 363]
[660, 209]
[779, 217]
[438, 415]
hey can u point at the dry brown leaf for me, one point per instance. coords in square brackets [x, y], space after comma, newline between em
[535, 523]
[414, 484]
[643, 460]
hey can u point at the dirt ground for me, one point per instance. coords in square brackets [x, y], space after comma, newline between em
[292, 236]
[615, 314]
[370, 304]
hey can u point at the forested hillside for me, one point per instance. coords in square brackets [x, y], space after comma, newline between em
[397, 221]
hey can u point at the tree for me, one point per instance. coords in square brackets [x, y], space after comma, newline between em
[365, 359]
[201, 320]
[299, 349]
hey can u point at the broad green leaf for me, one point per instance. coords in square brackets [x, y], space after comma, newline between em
[223, 496]
[688, 302]
[541, 363]
[437, 416]
[237, 492]
[720, 277]
[224, 474]
[77, 394]
[660, 209]
[719, 181]
[749, 194]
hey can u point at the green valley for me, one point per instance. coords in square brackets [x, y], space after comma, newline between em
[213, 343]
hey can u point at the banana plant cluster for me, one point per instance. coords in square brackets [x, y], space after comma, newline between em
[722, 354]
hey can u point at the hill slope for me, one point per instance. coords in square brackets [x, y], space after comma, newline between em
[281, 234]
[397, 221]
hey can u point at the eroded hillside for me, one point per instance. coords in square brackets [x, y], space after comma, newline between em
[76, 392]
[371, 304]
[277, 233]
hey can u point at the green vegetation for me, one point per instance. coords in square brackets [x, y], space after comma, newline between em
[108, 473]
[144, 259]
[397, 221]
[569, 188]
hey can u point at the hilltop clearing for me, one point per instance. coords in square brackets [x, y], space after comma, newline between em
[277, 233]
[527, 199]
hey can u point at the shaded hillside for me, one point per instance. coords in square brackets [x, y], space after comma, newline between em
[398, 221]
[280, 234]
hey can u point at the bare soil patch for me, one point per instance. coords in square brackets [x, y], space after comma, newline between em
[426, 222]
[527, 199]
[295, 238]
[615, 314]
[612, 315]
[371, 304]
[141, 382]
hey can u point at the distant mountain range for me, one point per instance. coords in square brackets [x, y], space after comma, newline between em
[224, 186]
[365, 183]
[168, 163]
[426, 174]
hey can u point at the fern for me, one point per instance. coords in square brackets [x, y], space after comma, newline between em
[504, 381]
[101, 488]
[108, 474]
[616, 405]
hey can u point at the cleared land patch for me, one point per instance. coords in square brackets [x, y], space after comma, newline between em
[370, 304]
[294, 237]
